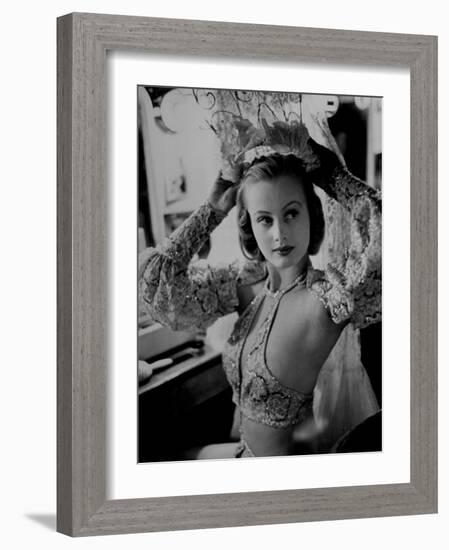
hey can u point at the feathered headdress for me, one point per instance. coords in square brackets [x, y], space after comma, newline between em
[252, 125]
[284, 138]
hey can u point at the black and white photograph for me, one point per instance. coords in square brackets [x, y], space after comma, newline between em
[259, 291]
[223, 219]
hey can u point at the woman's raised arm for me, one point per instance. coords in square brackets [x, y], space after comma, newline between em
[351, 288]
[186, 295]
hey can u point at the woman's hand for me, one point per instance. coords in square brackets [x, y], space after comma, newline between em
[324, 163]
[223, 194]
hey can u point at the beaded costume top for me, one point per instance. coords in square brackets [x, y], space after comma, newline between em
[260, 395]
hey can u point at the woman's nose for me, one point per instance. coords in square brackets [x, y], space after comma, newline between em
[279, 232]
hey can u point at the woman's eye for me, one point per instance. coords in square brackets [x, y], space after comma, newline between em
[291, 214]
[264, 220]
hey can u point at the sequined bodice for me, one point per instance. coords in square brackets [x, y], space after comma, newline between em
[256, 390]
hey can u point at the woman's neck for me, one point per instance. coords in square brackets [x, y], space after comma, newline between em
[282, 278]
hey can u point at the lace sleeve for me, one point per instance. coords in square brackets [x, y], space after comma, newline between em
[351, 288]
[181, 294]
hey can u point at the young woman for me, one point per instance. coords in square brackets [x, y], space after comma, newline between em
[290, 315]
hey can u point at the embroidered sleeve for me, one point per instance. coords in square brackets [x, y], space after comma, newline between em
[351, 288]
[182, 294]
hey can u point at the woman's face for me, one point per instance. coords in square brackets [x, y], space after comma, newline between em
[279, 219]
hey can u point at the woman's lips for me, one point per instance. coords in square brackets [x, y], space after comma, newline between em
[284, 250]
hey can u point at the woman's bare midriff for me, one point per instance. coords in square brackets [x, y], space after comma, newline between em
[264, 440]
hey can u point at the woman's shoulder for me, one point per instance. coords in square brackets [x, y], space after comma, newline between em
[330, 296]
[307, 309]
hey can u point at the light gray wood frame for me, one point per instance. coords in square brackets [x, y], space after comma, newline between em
[83, 41]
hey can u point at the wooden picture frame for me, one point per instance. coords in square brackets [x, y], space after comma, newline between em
[83, 41]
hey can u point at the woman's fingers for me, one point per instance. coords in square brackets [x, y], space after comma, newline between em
[223, 194]
[327, 158]
[230, 196]
[224, 184]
